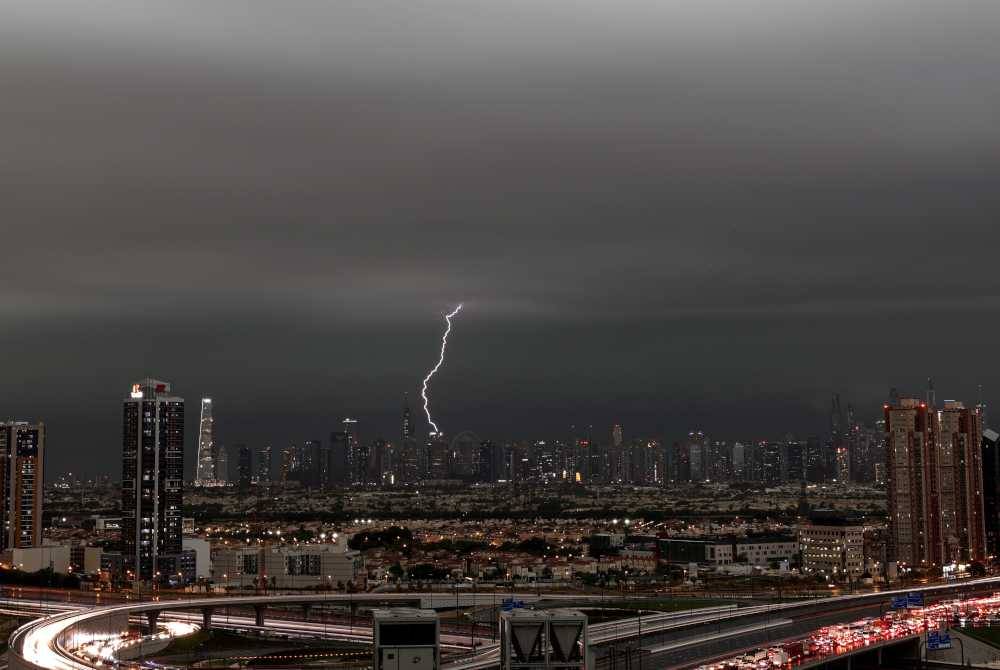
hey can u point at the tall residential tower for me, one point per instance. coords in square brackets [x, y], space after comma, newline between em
[22, 457]
[206, 445]
[934, 473]
[152, 475]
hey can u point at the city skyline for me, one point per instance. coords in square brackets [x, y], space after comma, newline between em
[530, 335]
[387, 426]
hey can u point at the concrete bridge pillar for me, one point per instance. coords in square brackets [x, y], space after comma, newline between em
[306, 608]
[206, 618]
[152, 616]
[258, 611]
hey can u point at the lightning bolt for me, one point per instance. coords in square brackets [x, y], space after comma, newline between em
[444, 345]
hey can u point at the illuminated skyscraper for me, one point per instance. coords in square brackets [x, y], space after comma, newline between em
[338, 468]
[438, 457]
[793, 460]
[681, 462]
[843, 457]
[718, 461]
[287, 464]
[618, 466]
[357, 456]
[315, 464]
[152, 475]
[407, 432]
[739, 462]
[697, 453]
[771, 463]
[22, 456]
[206, 473]
[264, 465]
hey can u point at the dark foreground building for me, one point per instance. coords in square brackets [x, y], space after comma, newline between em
[152, 476]
[991, 491]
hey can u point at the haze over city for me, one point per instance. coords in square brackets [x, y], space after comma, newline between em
[669, 215]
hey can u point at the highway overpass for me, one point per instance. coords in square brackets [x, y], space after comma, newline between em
[662, 640]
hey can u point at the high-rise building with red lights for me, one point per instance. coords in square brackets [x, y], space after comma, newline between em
[960, 461]
[152, 476]
[934, 481]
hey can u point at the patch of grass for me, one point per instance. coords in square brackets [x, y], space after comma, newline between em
[988, 634]
[212, 641]
[217, 642]
[319, 656]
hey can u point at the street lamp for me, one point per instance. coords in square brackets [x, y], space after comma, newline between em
[472, 618]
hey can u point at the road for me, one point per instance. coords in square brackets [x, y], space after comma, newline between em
[668, 639]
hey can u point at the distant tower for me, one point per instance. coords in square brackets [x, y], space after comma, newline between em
[356, 461]
[981, 405]
[836, 419]
[206, 445]
[803, 509]
[407, 420]
[222, 465]
[318, 472]
[617, 470]
[930, 392]
[287, 463]
[264, 465]
[245, 467]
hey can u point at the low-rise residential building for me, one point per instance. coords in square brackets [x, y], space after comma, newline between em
[177, 568]
[764, 550]
[306, 566]
[32, 559]
[637, 560]
[92, 560]
[203, 555]
[832, 547]
[601, 543]
[710, 551]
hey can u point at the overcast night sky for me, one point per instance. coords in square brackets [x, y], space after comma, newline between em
[670, 214]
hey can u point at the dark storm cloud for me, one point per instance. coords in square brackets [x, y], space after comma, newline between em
[679, 213]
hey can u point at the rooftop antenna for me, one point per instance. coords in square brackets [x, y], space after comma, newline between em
[981, 406]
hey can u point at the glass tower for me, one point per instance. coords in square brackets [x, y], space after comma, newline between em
[152, 475]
